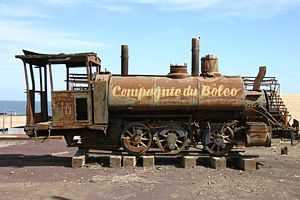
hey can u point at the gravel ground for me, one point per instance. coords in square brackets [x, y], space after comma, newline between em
[35, 170]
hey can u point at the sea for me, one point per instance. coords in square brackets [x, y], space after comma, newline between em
[19, 107]
[14, 107]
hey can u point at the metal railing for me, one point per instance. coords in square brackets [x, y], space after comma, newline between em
[6, 114]
[277, 107]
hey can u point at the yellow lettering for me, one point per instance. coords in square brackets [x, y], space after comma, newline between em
[157, 93]
[172, 91]
[115, 89]
[234, 91]
[142, 93]
[123, 93]
[177, 92]
[205, 90]
[226, 92]
[214, 92]
[186, 91]
[220, 90]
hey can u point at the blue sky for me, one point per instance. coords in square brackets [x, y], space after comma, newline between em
[244, 34]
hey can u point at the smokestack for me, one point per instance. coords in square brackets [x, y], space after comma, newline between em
[195, 56]
[124, 60]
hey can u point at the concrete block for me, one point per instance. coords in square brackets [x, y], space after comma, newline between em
[78, 160]
[189, 162]
[217, 162]
[129, 161]
[246, 164]
[115, 161]
[148, 161]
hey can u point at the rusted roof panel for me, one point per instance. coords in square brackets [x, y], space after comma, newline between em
[72, 60]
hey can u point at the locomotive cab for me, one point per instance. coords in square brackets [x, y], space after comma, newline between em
[72, 107]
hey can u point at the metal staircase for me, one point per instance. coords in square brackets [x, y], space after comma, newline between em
[276, 111]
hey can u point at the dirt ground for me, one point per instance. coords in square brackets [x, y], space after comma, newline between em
[35, 170]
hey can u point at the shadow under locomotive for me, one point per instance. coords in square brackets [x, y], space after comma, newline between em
[99, 110]
[21, 160]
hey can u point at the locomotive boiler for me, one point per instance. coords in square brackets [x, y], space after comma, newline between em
[172, 113]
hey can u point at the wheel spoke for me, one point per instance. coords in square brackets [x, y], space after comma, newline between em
[179, 141]
[143, 144]
[226, 137]
[134, 130]
[213, 146]
[176, 146]
[129, 133]
[227, 141]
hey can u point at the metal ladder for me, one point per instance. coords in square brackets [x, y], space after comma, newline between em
[277, 112]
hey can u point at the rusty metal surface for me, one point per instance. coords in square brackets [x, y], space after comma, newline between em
[130, 93]
[77, 59]
[195, 56]
[254, 100]
[221, 93]
[258, 134]
[161, 93]
[100, 102]
[178, 71]
[259, 78]
[124, 60]
[175, 94]
[63, 107]
[210, 66]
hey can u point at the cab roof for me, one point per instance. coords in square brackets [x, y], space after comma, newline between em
[70, 60]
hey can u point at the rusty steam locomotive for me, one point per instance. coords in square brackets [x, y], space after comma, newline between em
[99, 110]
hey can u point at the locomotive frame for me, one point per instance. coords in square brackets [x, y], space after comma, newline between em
[98, 110]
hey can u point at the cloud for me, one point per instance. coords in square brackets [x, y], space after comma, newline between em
[20, 10]
[16, 35]
[256, 9]
[216, 9]
[219, 9]
[26, 24]
[179, 4]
